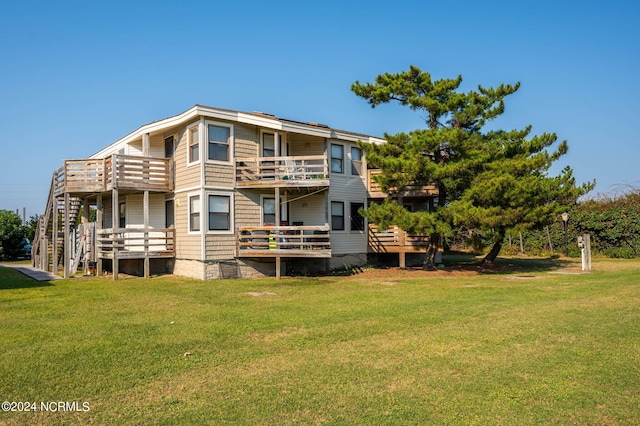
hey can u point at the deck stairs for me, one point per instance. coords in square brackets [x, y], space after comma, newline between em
[43, 257]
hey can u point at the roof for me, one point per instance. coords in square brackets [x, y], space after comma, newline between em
[256, 118]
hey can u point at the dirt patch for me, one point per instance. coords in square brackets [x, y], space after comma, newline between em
[386, 276]
[261, 293]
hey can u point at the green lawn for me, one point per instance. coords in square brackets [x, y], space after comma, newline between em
[516, 345]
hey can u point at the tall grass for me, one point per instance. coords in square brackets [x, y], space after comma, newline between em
[523, 346]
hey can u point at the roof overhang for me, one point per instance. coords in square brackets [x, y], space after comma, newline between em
[257, 119]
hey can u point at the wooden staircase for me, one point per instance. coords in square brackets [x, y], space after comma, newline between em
[44, 253]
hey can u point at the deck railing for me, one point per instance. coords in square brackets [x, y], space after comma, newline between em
[411, 191]
[394, 239]
[283, 240]
[118, 171]
[135, 242]
[291, 169]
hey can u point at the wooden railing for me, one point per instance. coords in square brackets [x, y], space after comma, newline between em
[394, 239]
[409, 191]
[135, 172]
[117, 171]
[135, 242]
[308, 169]
[284, 240]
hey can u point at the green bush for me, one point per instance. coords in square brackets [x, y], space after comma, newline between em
[620, 253]
[12, 235]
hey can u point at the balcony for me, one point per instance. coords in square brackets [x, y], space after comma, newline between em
[135, 243]
[115, 172]
[395, 240]
[284, 241]
[375, 191]
[296, 171]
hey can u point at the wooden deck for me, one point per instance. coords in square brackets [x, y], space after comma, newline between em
[115, 172]
[284, 241]
[135, 243]
[292, 171]
[395, 240]
[411, 191]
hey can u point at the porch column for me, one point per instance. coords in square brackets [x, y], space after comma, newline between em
[54, 239]
[66, 240]
[277, 205]
[99, 226]
[146, 232]
[145, 144]
[85, 211]
[115, 223]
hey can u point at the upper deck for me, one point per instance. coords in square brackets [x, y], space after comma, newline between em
[374, 190]
[290, 171]
[114, 172]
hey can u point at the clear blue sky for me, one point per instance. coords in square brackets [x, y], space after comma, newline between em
[77, 75]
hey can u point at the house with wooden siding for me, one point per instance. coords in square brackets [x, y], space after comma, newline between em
[214, 193]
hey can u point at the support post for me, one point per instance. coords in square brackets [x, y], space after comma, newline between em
[115, 214]
[66, 237]
[54, 238]
[145, 144]
[99, 226]
[146, 232]
[278, 266]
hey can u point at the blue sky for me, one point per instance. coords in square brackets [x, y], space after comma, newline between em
[77, 75]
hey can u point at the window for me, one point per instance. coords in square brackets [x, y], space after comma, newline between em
[219, 137]
[357, 221]
[337, 156]
[356, 161]
[194, 144]
[268, 145]
[194, 213]
[268, 211]
[123, 215]
[219, 213]
[337, 215]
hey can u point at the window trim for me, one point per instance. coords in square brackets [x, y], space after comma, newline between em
[358, 173]
[262, 198]
[344, 228]
[231, 229]
[279, 142]
[331, 158]
[189, 214]
[231, 144]
[189, 144]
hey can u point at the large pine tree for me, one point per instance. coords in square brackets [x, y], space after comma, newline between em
[491, 181]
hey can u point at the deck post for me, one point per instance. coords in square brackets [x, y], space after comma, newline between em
[99, 225]
[54, 239]
[277, 206]
[44, 253]
[145, 144]
[146, 229]
[402, 259]
[278, 266]
[66, 240]
[115, 214]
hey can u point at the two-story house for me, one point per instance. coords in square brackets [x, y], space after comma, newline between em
[211, 193]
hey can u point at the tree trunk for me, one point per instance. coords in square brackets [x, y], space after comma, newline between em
[432, 251]
[495, 250]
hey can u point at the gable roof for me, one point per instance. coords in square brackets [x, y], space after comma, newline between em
[255, 118]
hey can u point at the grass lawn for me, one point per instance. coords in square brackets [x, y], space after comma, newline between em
[518, 344]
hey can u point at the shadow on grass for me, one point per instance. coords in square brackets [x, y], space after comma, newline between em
[11, 279]
[509, 265]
